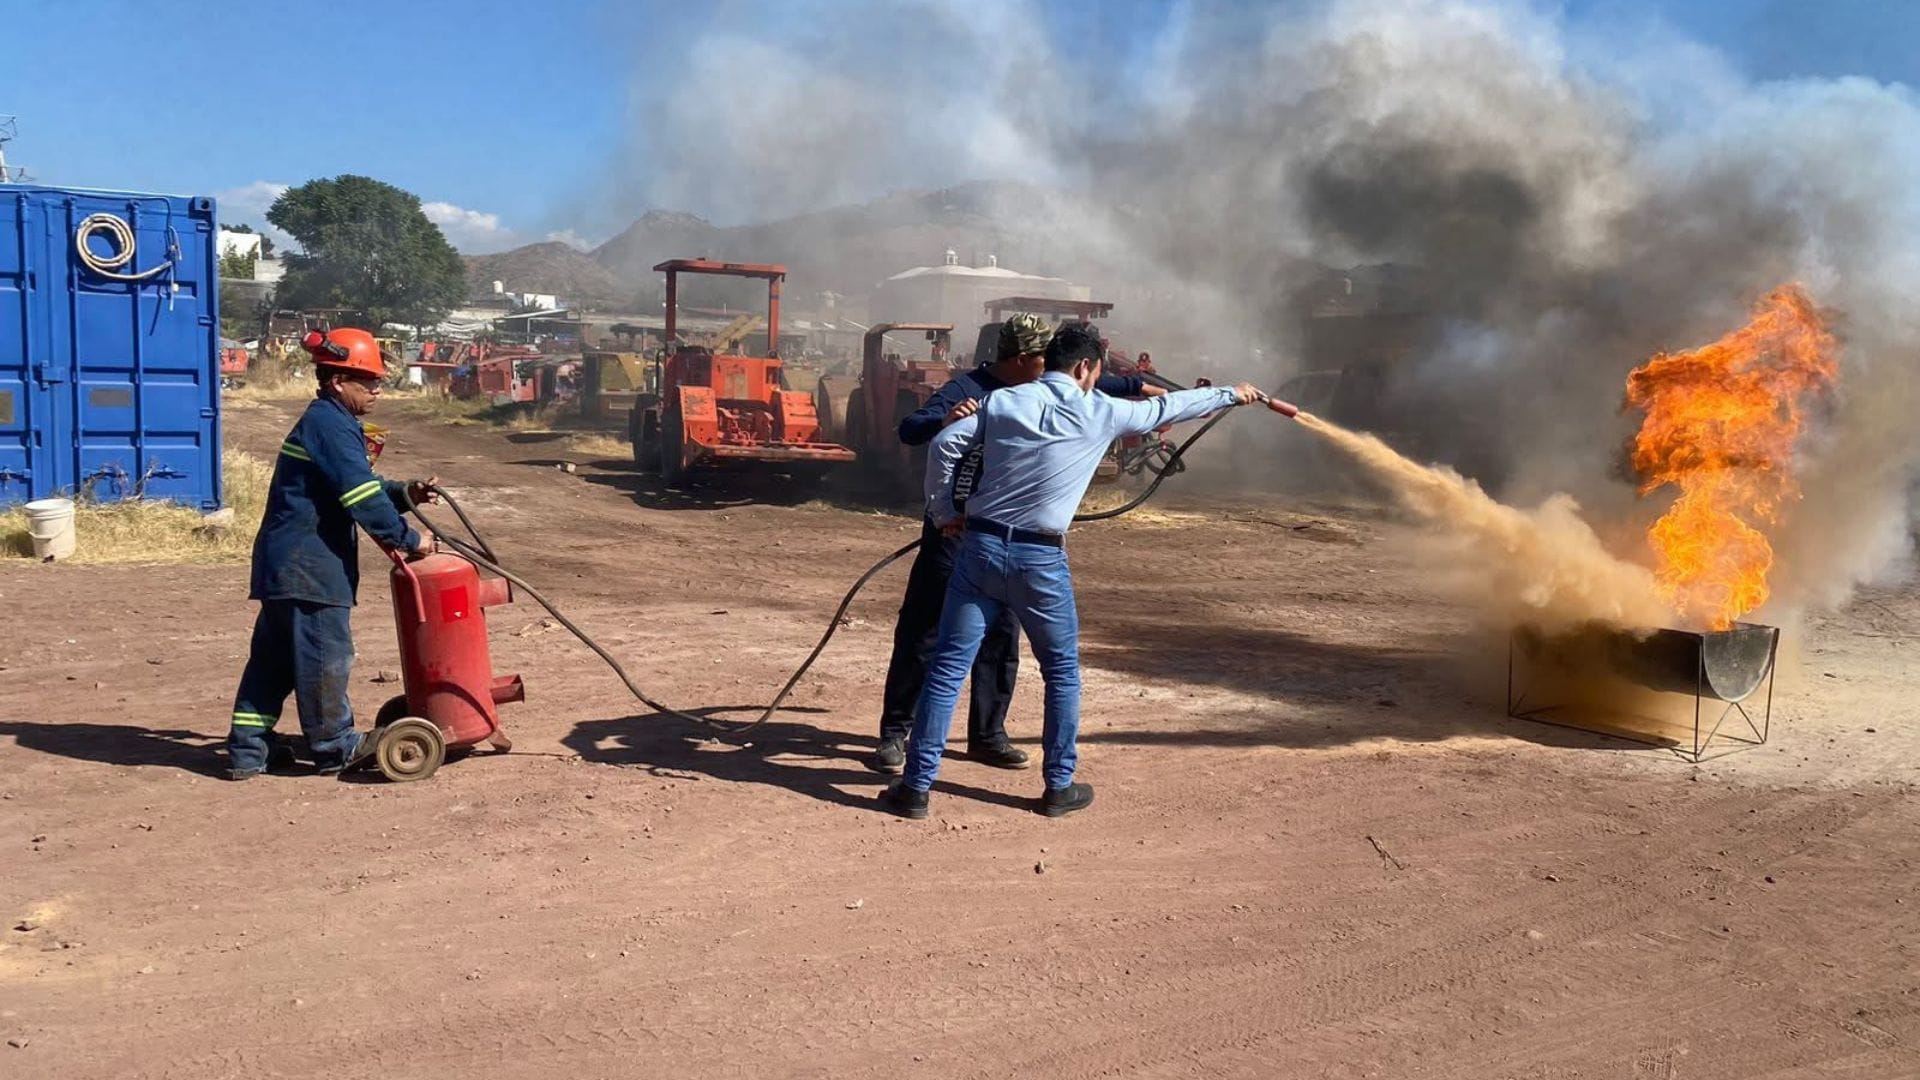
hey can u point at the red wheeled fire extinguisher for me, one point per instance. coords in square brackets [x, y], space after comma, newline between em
[439, 610]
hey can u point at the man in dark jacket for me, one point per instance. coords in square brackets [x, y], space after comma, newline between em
[1043, 442]
[306, 566]
[1020, 359]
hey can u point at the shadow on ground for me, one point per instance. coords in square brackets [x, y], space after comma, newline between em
[782, 753]
[1324, 693]
[851, 491]
[122, 744]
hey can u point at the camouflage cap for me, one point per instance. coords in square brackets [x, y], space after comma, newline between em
[1024, 334]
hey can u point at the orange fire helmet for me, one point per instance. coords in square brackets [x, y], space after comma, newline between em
[347, 350]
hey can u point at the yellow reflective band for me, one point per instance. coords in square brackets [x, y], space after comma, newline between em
[361, 494]
[253, 719]
[292, 450]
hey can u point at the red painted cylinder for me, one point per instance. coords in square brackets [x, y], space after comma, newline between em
[439, 609]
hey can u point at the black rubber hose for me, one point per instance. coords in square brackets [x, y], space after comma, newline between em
[482, 556]
[479, 541]
[1159, 478]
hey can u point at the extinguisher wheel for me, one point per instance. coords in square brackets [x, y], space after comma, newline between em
[394, 709]
[410, 749]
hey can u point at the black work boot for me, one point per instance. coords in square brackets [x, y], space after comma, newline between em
[361, 755]
[281, 757]
[1061, 801]
[904, 801]
[891, 758]
[1000, 755]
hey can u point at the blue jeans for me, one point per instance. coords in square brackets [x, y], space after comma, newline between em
[914, 636]
[305, 650]
[992, 576]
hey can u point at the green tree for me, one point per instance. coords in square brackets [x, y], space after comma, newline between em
[236, 267]
[368, 246]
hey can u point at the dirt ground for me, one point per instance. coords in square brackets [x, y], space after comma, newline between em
[1319, 849]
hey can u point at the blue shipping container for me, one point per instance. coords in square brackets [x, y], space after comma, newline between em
[109, 350]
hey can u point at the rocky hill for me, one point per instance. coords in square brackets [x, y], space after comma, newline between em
[549, 268]
[846, 250]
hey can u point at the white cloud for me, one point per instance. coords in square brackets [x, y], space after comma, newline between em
[572, 239]
[472, 231]
[248, 204]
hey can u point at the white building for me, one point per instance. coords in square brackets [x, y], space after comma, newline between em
[249, 245]
[952, 293]
[239, 243]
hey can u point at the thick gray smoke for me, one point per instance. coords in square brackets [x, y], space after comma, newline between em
[1551, 223]
[1560, 229]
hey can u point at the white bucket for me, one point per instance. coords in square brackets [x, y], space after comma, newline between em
[50, 523]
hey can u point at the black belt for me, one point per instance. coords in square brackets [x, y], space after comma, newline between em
[1013, 535]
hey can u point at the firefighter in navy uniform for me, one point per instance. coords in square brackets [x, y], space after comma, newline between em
[306, 569]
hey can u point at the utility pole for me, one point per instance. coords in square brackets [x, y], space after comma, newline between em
[9, 132]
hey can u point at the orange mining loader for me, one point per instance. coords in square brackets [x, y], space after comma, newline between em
[714, 406]
[867, 415]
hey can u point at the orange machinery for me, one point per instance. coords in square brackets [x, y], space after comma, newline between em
[234, 362]
[716, 409]
[891, 387]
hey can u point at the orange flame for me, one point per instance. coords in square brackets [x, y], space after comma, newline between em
[1721, 424]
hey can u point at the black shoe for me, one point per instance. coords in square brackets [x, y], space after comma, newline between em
[904, 801]
[891, 758]
[362, 753]
[243, 774]
[1061, 801]
[1000, 755]
[280, 758]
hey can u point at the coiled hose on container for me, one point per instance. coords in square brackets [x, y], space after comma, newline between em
[481, 555]
[120, 235]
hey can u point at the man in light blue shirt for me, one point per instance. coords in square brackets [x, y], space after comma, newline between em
[1041, 443]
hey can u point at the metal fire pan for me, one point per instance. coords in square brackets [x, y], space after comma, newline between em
[1727, 665]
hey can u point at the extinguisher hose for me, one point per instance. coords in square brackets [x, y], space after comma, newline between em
[1167, 469]
[482, 556]
[483, 559]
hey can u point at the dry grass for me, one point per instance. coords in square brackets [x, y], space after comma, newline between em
[159, 532]
[438, 406]
[535, 420]
[274, 380]
[1110, 496]
[595, 444]
[281, 391]
[1104, 497]
[1171, 518]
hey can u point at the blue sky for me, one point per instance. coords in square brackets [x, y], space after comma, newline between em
[507, 117]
